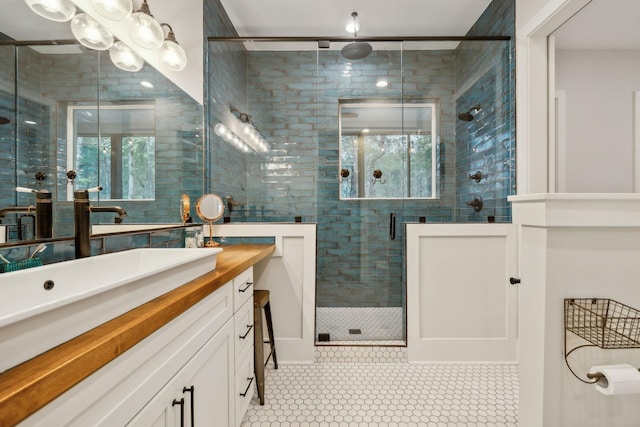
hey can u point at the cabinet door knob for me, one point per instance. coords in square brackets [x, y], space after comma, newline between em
[514, 281]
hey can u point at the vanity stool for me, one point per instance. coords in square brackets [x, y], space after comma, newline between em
[261, 301]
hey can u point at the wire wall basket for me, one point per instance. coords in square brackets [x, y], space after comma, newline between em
[602, 322]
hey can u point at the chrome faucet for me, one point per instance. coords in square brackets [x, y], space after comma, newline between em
[82, 221]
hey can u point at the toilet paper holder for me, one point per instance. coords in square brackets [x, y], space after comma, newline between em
[600, 322]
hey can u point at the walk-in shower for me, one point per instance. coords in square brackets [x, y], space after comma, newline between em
[295, 89]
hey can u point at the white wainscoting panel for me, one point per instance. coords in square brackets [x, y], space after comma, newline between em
[460, 304]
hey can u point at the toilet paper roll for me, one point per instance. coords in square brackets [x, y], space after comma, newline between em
[617, 379]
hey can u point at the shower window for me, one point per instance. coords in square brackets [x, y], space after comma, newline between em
[387, 151]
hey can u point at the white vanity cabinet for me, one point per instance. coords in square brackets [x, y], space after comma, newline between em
[243, 347]
[200, 393]
[197, 349]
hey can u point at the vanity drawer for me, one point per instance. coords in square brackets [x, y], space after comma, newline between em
[243, 332]
[245, 387]
[242, 288]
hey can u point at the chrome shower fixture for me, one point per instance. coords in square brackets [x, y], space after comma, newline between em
[356, 50]
[468, 116]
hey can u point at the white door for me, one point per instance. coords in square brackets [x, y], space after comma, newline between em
[460, 303]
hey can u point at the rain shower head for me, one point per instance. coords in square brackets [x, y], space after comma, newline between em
[467, 116]
[4, 120]
[356, 50]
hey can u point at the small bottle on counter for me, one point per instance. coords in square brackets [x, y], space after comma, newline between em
[190, 240]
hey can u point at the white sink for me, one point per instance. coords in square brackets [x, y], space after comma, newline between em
[86, 293]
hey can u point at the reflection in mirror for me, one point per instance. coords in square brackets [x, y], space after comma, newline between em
[210, 208]
[387, 150]
[119, 149]
[597, 99]
[72, 109]
[185, 208]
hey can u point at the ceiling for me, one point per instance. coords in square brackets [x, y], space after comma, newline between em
[328, 18]
[602, 24]
[20, 23]
[297, 18]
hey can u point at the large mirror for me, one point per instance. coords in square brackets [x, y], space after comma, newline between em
[595, 64]
[64, 108]
[388, 150]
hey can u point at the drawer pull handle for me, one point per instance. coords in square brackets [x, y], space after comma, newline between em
[249, 327]
[249, 284]
[246, 390]
[181, 403]
[192, 391]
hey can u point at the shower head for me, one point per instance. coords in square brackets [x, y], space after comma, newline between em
[467, 116]
[356, 50]
[4, 120]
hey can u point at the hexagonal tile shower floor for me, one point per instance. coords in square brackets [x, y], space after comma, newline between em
[388, 394]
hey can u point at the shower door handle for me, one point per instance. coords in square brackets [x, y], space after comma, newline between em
[392, 226]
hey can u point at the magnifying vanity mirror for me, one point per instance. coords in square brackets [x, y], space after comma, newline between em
[210, 208]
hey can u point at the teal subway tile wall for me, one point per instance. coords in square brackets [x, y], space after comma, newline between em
[293, 96]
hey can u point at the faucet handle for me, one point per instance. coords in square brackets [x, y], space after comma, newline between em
[25, 190]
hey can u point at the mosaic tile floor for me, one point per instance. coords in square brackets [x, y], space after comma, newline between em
[387, 394]
[369, 323]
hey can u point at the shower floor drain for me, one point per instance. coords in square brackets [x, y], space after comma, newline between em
[355, 332]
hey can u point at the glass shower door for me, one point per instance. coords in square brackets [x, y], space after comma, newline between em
[362, 183]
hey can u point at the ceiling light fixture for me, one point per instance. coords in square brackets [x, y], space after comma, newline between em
[354, 25]
[116, 10]
[172, 55]
[382, 83]
[91, 33]
[145, 30]
[125, 58]
[54, 10]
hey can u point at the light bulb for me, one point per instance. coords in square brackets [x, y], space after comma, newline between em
[145, 31]
[247, 128]
[353, 26]
[90, 33]
[116, 10]
[125, 58]
[172, 56]
[220, 129]
[54, 10]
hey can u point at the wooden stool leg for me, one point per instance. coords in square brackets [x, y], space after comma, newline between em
[272, 340]
[258, 355]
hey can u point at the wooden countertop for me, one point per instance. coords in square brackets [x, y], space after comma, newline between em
[31, 385]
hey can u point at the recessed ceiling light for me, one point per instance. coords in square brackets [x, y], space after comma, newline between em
[382, 83]
[146, 84]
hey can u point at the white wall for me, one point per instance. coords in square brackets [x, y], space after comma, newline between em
[599, 88]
